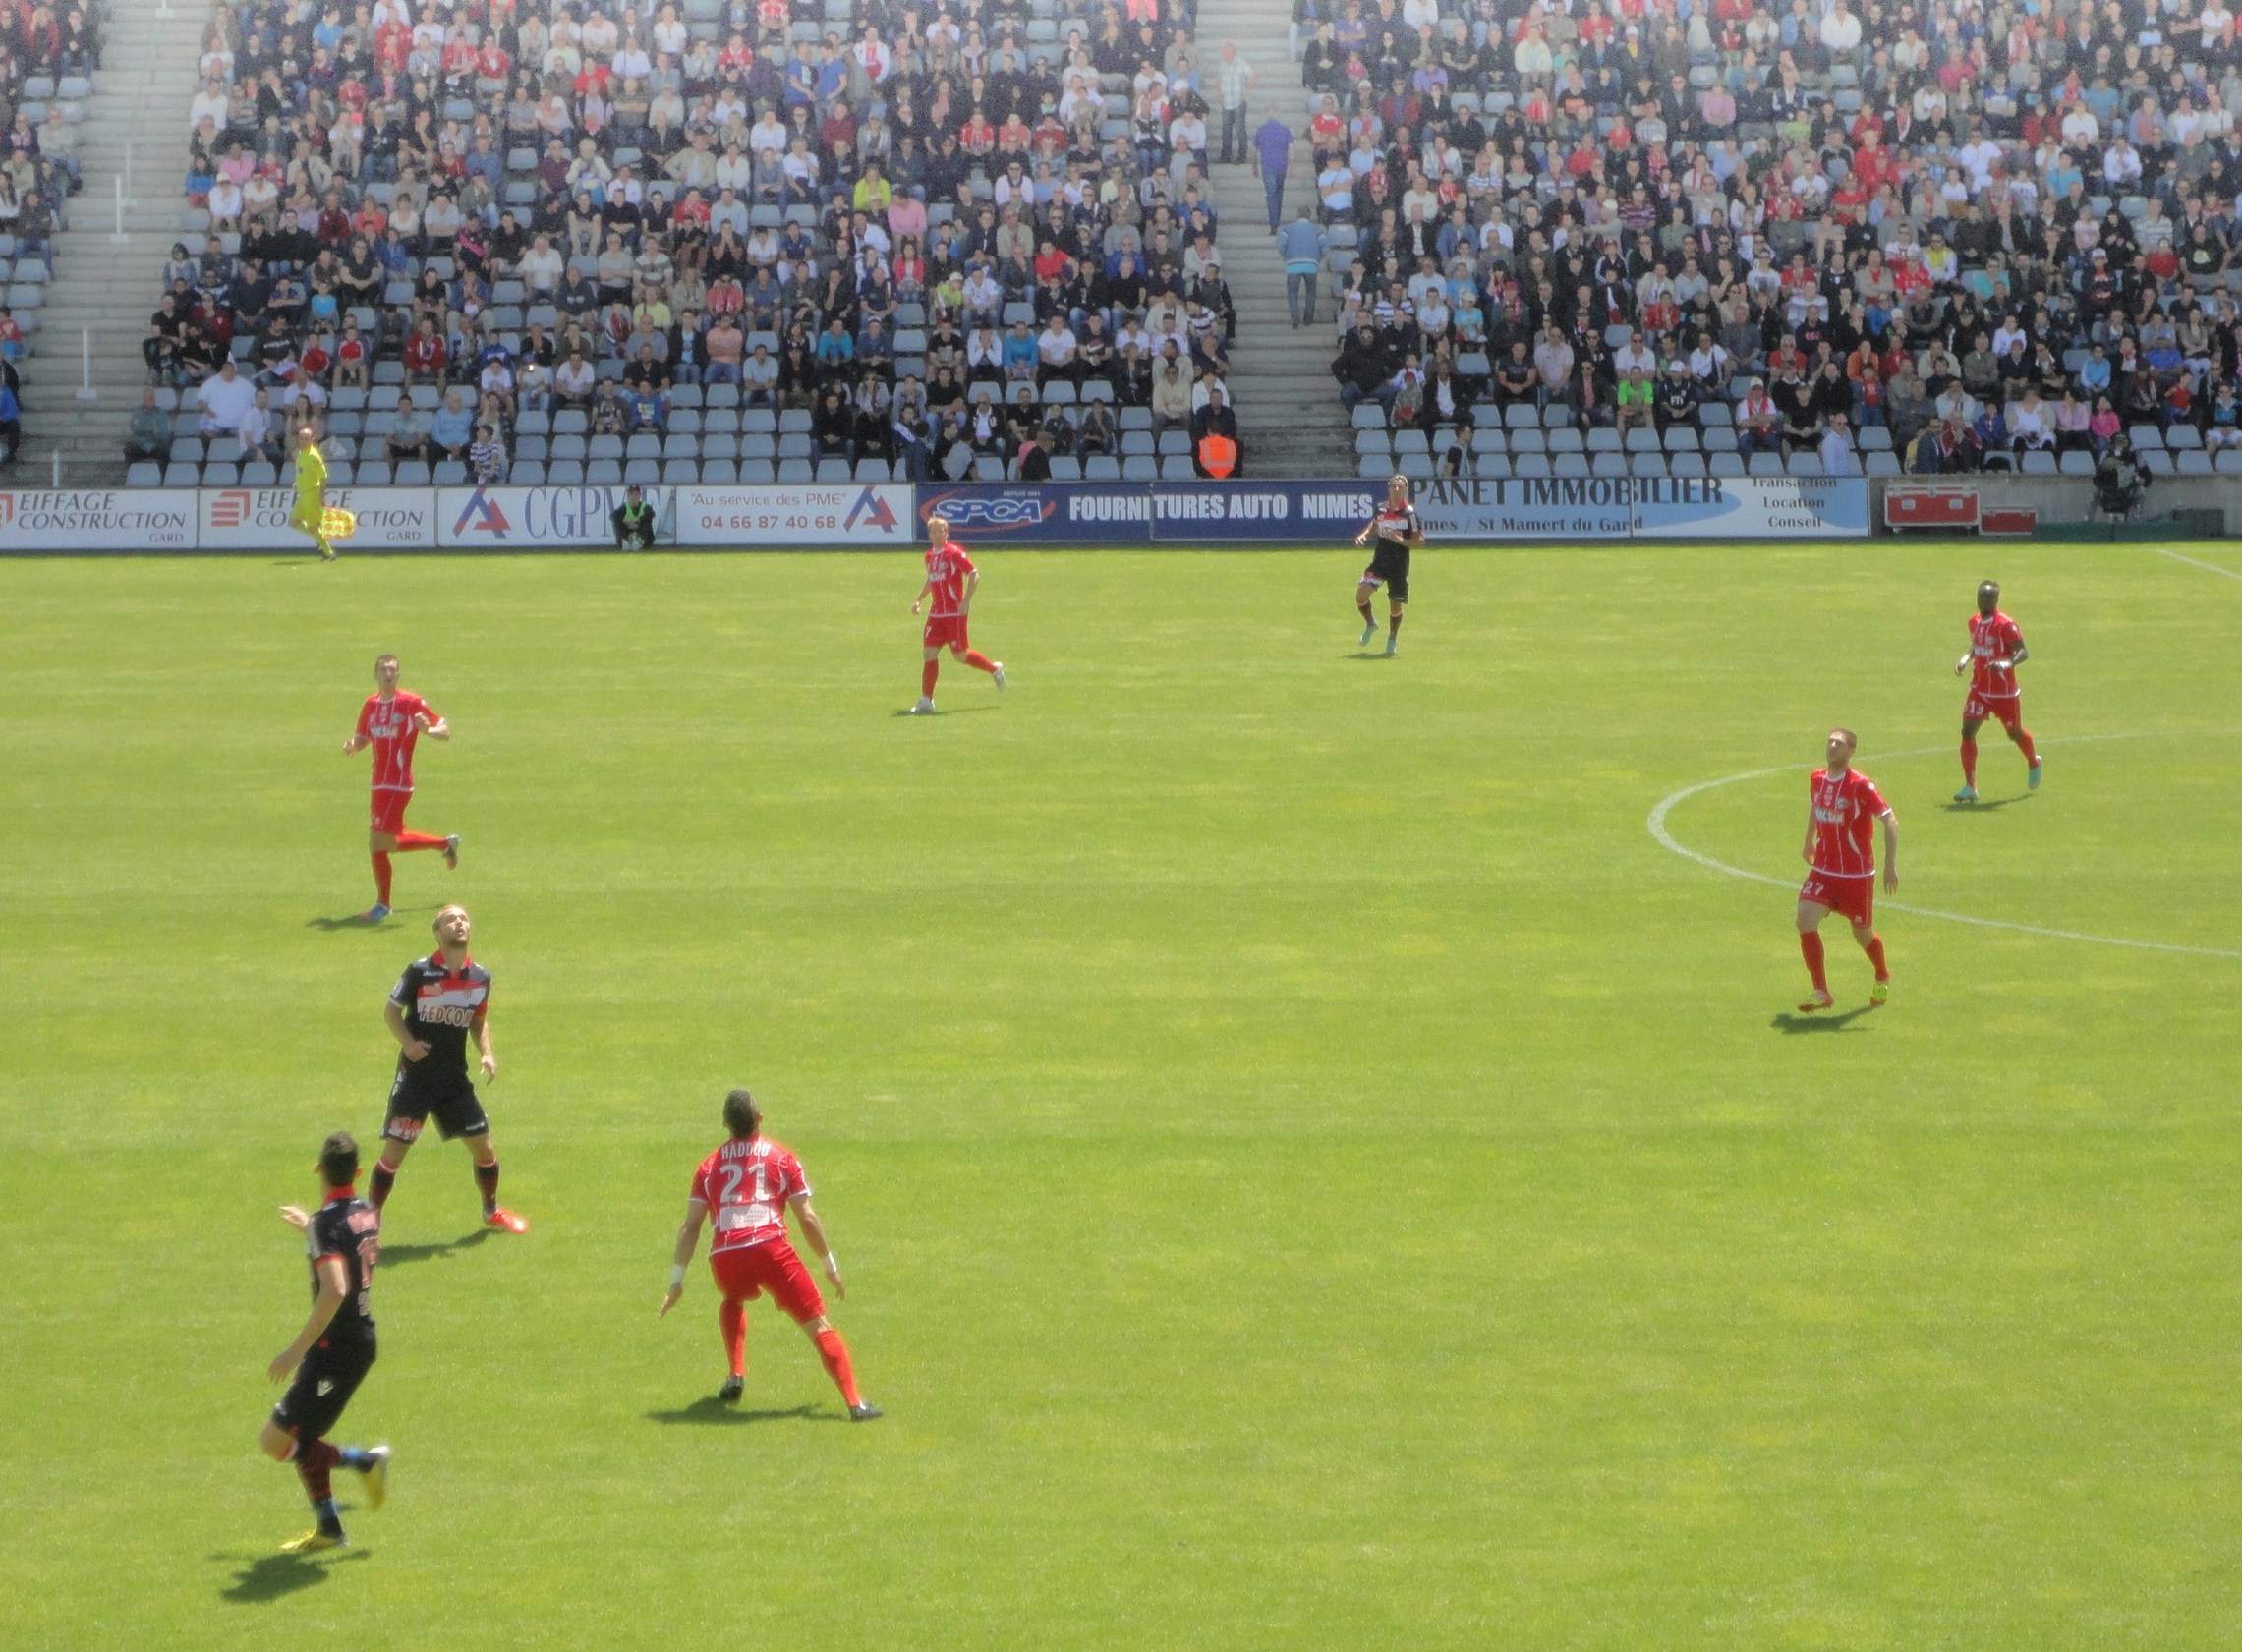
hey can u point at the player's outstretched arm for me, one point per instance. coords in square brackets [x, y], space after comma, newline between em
[925, 591]
[1960, 665]
[2021, 655]
[295, 1216]
[814, 1230]
[688, 1241]
[1891, 850]
[324, 1311]
[355, 744]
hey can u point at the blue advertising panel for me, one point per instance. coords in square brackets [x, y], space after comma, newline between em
[1043, 512]
[1210, 512]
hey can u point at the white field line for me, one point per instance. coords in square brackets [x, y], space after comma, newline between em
[1666, 841]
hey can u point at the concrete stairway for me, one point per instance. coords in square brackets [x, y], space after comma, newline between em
[140, 98]
[1288, 415]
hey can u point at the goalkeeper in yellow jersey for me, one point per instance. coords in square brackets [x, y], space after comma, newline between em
[312, 515]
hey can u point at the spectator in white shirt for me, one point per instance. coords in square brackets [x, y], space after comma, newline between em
[223, 402]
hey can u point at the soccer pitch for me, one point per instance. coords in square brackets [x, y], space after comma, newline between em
[1313, 1169]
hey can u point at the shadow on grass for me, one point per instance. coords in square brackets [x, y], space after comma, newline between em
[1985, 805]
[277, 1577]
[1787, 1022]
[711, 1411]
[392, 1255]
[960, 712]
[358, 920]
[1370, 654]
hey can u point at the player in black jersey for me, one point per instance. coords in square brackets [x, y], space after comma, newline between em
[1396, 527]
[436, 1003]
[331, 1355]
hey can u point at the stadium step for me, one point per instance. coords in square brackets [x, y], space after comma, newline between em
[1288, 418]
[140, 98]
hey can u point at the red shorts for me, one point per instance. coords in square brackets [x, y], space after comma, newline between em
[389, 811]
[1854, 898]
[946, 631]
[2007, 711]
[745, 1274]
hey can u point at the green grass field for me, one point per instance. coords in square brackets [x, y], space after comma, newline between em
[1312, 1170]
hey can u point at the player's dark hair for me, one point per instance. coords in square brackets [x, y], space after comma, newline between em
[742, 1117]
[338, 1159]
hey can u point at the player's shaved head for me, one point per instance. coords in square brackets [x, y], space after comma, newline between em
[338, 1159]
[742, 1117]
[1988, 597]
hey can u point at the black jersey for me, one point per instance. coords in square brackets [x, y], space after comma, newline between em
[349, 1229]
[1396, 525]
[441, 1005]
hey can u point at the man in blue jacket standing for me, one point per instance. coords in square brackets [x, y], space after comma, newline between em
[1302, 246]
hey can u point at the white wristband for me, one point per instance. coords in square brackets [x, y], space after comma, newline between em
[677, 1275]
[832, 1261]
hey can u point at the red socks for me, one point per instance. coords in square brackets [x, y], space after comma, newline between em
[979, 661]
[418, 840]
[382, 878]
[314, 1463]
[731, 1319]
[1874, 947]
[1969, 762]
[1810, 943]
[2024, 744]
[927, 675]
[835, 1352]
[377, 1185]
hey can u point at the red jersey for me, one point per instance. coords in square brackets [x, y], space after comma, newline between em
[1845, 811]
[389, 726]
[945, 571]
[747, 1184]
[1993, 640]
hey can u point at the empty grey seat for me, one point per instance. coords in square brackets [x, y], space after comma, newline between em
[603, 473]
[565, 473]
[794, 469]
[1765, 463]
[144, 473]
[680, 473]
[527, 473]
[831, 470]
[641, 473]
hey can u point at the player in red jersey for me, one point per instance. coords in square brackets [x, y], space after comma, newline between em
[391, 722]
[1841, 849]
[1996, 650]
[751, 1183]
[951, 581]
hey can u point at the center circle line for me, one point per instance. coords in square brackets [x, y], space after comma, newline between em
[1666, 841]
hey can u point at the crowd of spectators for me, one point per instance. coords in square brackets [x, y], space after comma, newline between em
[1619, 237]
[47, 58]
[736, 239]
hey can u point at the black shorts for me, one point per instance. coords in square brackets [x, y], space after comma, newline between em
[324, 1382]
[451, 1102]
[1389, 567]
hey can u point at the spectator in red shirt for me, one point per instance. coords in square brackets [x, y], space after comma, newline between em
[425, 353]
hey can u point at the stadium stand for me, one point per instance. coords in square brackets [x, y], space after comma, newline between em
[1747, 239]
[47, 61]
[721, 241]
